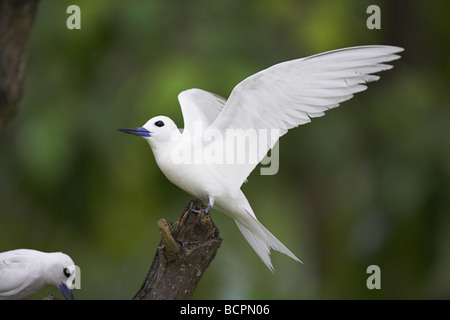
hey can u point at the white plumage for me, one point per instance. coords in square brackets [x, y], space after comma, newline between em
[271, 101]
[24, 272]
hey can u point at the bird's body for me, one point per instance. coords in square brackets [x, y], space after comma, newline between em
[205, 159]
[204, 183]
[24, 272]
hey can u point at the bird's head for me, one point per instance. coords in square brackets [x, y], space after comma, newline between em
[158, 130]
[60, 268]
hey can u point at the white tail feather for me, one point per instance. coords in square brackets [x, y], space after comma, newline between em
[262, 240]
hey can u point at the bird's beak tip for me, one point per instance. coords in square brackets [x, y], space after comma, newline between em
[141, 132]
[66, 292]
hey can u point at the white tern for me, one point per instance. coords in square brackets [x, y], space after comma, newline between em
[206, 160]
[24, 272]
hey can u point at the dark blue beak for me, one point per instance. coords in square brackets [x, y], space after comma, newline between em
[67, 293]
[142, 132]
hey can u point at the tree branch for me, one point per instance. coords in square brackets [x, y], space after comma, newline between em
[182, 255]
[16, 20]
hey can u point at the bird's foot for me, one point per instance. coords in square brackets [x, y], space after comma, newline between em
[203, 210]
[198, 211]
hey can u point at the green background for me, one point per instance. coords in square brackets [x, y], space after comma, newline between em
[368, 184]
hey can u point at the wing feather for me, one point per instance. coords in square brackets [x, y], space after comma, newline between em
[199, 107]
[288, 94]
[13, 270]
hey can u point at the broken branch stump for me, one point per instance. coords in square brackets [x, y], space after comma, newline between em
[182, 255]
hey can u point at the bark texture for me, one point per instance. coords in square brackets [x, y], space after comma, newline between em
[16, 20]
[182, 255]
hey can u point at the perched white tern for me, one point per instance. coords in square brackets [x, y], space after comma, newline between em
[223, 140]
[24, 272]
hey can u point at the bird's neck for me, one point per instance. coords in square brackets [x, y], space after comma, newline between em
[50, 268]
[162, 150]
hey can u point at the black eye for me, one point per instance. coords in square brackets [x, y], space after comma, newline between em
[159, 123]
[67, 272]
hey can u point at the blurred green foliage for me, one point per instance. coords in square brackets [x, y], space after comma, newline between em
[366, 184]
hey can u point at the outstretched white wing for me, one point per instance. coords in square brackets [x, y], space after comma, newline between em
[200, 108]
[288, 94]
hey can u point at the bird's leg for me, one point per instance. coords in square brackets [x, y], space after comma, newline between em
[210, 204]
[208, 207]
